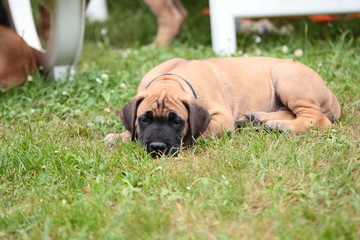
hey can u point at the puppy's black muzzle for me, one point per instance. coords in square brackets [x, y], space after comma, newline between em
[157, 149]
[160, 136]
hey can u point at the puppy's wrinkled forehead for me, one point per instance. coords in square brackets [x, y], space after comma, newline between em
[162, 103]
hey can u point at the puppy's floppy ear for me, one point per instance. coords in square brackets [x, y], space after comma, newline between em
[199, 119]
[128, 115]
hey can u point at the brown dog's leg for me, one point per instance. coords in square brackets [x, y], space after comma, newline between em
[17, 60]
[170, 16]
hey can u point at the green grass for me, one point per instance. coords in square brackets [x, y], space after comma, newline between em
[59, 181]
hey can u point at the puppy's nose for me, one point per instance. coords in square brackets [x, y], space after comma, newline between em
[157, 147]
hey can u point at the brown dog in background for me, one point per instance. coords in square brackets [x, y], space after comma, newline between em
[170, 16]
[17, 60]
[180, 100]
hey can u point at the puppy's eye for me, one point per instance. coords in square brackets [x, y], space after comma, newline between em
[144, 120]
[176, 121]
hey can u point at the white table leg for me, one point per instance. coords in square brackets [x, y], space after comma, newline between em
[223, 29]
[224, 12]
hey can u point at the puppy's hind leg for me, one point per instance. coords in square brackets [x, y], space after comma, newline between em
[306, 117]
[303, 92]
[260, 118]
[285, 120]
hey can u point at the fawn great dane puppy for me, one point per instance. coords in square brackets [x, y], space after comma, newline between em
[181, 100]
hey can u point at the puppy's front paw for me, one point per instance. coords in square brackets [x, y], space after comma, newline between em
[125, 136]
[254, 119]
[242, 122]
[111, 139]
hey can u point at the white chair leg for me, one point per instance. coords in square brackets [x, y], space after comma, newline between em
[67, 18]
[23, 22]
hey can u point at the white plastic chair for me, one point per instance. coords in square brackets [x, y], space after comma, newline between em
[224, 12]
[67, 18]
